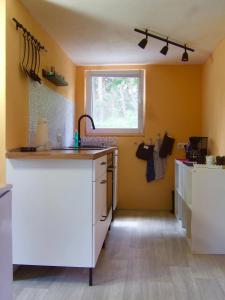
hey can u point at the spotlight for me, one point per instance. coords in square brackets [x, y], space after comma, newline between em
[144, 42]
[148, 34]
[164, 49]
[185, 55]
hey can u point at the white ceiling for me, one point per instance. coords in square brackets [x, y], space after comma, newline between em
[101, 32]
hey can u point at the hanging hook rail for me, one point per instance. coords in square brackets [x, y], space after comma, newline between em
[20, 26]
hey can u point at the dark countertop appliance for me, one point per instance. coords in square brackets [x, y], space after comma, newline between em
[196, 149]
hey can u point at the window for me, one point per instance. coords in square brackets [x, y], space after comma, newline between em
[114, 99]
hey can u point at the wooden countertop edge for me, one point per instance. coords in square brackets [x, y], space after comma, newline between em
[4, 188]
[60, 154]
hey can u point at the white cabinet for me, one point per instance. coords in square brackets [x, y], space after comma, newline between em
[99, 198]
[115, 180]
[6, 270]
[200, 204]
[58, 206]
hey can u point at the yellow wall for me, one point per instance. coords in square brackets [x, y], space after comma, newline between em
[173, 104]
[213, 113]
[2, 90]
[17, 83]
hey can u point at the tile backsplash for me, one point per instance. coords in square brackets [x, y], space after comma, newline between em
[98, 141]
[58, 110]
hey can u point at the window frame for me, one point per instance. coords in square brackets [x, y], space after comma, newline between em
[141, 101]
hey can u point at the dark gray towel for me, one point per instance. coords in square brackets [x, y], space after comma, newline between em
[167, 146]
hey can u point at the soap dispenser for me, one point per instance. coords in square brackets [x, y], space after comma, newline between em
[76, 139]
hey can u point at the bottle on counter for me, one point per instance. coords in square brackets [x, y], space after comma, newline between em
[76, 140]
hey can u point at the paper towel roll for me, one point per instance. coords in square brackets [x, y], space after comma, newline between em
[41, 137]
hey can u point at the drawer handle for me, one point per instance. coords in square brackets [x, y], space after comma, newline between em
[104, 218]
[103, 181]
[103, 163]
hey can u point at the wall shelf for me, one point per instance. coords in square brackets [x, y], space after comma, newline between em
[54, 78]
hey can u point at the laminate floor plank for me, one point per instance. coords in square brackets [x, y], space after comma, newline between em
[161, 290]
[32, 293]
[210, 289]
[184, 284]
[146, 257]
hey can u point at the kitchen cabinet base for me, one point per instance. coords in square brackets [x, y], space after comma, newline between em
[200, 206]
[66, 217]
[6, 272]
[90, 276]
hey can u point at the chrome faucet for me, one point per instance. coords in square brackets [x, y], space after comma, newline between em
[79, 120]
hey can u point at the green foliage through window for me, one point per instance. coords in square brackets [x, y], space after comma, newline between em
[115, 101]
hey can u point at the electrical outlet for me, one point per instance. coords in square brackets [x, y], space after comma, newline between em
[181, 145]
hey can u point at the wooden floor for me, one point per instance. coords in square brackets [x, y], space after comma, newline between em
[146, 257]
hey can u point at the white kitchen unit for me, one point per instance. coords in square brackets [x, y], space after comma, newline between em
[6, 268]
[200, 204]
[115, 180]
[60, 215]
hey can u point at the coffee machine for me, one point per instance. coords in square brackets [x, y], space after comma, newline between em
[196, 149]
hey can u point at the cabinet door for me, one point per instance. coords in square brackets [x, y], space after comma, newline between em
[99, 234]
[99, 198]
[115, 179]
[187, 185]
[5, 247]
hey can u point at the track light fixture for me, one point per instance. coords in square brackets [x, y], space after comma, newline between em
[164, 50]
[144, 42]
[185, 55]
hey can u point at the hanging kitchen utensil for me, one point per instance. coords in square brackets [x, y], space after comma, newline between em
[39, 58]
[31, 57]
[28, 54]
[37, 45]
[23, 68]
[32, 74]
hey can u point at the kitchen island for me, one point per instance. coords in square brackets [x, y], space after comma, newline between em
[60, 212]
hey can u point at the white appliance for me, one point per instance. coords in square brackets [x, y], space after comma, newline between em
[6, 269]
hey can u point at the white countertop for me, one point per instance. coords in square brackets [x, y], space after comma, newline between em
[4, 188]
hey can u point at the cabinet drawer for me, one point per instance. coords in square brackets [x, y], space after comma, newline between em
[99, 167]
[99, 197]
[99, 234]
[100, 230]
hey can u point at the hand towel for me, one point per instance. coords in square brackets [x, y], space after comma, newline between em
[167, 146]
[159, 163]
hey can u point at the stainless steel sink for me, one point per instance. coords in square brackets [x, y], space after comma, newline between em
[90, 148]
[81, 148]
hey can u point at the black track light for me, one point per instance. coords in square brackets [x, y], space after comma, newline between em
[165, 49]
[185, 55]
[168, 42]
[144, 42]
